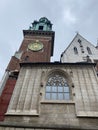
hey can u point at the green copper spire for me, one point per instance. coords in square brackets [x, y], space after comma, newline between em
[42, 25]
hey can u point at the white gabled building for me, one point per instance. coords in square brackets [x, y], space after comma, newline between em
[80, 50]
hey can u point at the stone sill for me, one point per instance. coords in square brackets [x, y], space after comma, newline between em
[21, 113]
[57, 102]
[33, 126]
[91, 114]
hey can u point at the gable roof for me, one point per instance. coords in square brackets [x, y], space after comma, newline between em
[74, 39]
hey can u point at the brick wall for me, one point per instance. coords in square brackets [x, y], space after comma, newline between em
[13, 64]
[39, 56]
[6, 96]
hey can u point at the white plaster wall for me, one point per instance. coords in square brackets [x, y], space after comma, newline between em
[70, 56]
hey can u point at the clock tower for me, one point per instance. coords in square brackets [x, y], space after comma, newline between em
[38, 42]
[37, 47]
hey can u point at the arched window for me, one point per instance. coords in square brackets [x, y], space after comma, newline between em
[26, 58]
[89, 50]
[57, 88]
[75, 50]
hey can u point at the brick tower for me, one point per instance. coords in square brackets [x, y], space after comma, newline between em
[37, 47]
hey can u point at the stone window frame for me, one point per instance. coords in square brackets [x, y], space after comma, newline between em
[68, 80]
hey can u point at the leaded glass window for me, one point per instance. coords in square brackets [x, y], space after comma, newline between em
[57, 88]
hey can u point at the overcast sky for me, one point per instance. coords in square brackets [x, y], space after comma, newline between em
[67, 16]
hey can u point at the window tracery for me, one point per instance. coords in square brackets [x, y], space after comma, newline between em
[57, 88]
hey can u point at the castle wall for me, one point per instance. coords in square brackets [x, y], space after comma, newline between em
[28, 104]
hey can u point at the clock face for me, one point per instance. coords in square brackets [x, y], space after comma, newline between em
[36, 46]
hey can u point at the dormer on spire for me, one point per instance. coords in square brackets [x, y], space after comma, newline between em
[42, 25]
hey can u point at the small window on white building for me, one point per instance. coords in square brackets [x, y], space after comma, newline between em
[75, 50]
[89, 50]
[79, 41]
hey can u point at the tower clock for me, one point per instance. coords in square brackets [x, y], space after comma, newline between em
[36, 46]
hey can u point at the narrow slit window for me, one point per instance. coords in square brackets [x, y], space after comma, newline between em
[75, 50]
[89, 50]
[26, 58]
